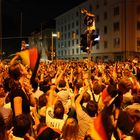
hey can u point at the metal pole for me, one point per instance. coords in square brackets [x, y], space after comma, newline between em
[52, 46]
[89, 60]
[21, 24]
[1, 28]
[125, 49]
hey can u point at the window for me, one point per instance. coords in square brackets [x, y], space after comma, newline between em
[72, 24]
[77, 13]
[68, 52]
[138, 10]
[138, 25]
[105, 15]
[74, 35]
[68, 26]
[72, 51]
[105, 44]
[58, 53]
[105, 29]
[65, 36]
[65, 44]
[116, 11]
[62, 36]
[105, 2]
[77, 31]
[72, 42]
[77, 50]
[116, 26]
[116, 42]
[138, 42]
[97, 47]
[97, 5]
[77, 41]
[98, 31]
[138, 48]
[90, 7]
[61, 52]
[68, 34]
[97, 18]
[65, 27]
[65, 52]
[68, 43]
[58, 44]
[77, 22]
[61, 28]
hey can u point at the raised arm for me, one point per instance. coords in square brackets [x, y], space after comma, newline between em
[60, 75]
[79, 98]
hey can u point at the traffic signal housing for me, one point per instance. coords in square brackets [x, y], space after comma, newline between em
[86, 38]
[95, 38]
[83, 43]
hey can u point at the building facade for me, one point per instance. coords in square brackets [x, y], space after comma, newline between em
[43, 39]
[117, 23]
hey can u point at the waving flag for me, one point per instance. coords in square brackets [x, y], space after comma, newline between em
[99, 127]
[31, 58]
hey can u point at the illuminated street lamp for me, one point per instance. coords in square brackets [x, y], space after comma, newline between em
[54, 35]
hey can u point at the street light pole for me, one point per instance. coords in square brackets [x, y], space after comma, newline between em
[21, 24]
[52, 46]
[1, 28]
[54, 35]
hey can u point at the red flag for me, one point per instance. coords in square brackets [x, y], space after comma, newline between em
[99, 127]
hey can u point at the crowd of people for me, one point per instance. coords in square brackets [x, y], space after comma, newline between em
[79, 100]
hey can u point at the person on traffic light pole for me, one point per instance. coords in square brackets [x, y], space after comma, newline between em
[89, 36]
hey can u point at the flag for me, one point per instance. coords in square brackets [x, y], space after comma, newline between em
[31, 58]
[102, 125]
[99, 127]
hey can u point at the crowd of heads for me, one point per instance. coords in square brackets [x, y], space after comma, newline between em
[68, 99]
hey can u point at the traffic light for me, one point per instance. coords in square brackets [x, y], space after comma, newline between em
[83, 43]
[95, 38]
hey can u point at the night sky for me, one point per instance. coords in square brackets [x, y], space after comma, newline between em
[32, 14]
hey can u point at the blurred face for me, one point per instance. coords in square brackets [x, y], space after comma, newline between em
[23, 70]
[2, 92]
